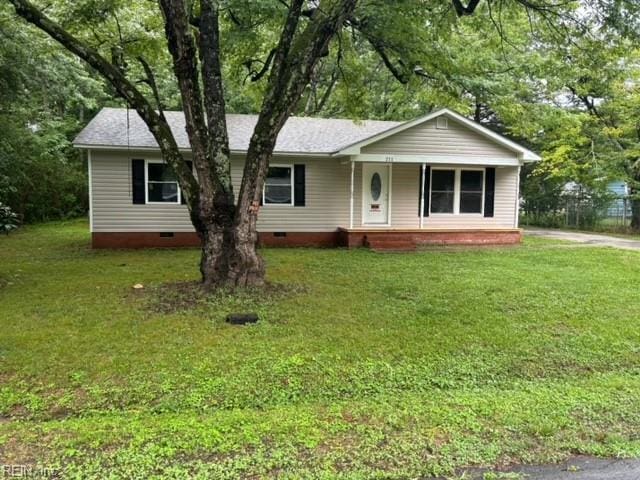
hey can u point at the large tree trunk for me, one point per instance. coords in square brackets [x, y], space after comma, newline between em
[246, 266]
[229, 256]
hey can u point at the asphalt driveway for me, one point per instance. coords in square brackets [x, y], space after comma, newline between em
[575, 468]
[593, 239]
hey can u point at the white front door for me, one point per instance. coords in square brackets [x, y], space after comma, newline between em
[375, 193]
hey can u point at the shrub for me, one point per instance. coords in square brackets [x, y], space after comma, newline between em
[8, 219]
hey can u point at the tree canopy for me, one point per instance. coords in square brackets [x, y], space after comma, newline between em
[561, 77]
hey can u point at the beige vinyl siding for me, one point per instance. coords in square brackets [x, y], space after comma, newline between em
[327, 198]
[426, 139]
[405, 187]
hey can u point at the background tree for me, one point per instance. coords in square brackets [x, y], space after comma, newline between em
[268, 56]
[44, 100]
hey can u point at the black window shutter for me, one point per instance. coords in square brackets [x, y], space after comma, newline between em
[489, 191]
[137, 181]
[425, 187]
[263, 188]
[299, 185]
[183, 200]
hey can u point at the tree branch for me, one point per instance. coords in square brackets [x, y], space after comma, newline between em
[255, 76]
[286, 38]
[182, 46]
[461, 10]
[214, 96]
[379, 47]
[593, 110]
[293, 64]
[325, 96]
[150, 80]
[125, 88]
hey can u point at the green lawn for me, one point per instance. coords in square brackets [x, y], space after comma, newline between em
[364, 365]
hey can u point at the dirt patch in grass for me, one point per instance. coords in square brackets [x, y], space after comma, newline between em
[184, 296]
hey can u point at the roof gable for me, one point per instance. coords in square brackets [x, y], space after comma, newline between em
[477, 129]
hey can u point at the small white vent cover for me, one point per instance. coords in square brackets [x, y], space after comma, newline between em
[442, 123]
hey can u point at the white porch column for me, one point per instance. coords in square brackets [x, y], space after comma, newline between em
[353, 169]
[422, 170]
[90, 175]
[517, 206]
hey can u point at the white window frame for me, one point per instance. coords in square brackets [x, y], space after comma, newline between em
[146, 185]
[484, 173]
[456, 190]
[264, 187]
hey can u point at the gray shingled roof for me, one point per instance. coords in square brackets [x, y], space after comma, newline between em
[299, 135]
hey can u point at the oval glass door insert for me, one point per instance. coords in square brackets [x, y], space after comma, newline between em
[376, 186]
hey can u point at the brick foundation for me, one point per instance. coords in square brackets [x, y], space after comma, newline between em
[361, 238]
[299, 239]
[341, 237]
[143, 240]
[190, 239]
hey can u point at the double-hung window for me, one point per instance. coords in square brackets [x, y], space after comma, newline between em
[471, 189]
[278, 186]
[162, 184]
[457, 190]
[442, 191]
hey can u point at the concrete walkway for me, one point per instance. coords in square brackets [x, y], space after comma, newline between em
[593, 239]
[576, 468]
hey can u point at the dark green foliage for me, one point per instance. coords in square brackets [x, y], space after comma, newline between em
[46, 96]
[42, 176]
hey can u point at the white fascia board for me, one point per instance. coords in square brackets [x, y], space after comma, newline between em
[436, 159]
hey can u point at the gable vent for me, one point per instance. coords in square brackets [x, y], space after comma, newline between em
[442, 123]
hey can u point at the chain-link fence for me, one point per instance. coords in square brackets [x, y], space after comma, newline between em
[586, 212]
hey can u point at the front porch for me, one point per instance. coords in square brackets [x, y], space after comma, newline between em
[409, 238]
[398, 203]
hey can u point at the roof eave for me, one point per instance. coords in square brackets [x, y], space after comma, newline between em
[530, 157]
[283, 153]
